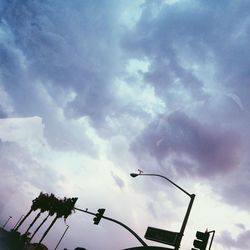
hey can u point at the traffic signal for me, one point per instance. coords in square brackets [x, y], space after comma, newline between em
[98, 216]
[201, 240]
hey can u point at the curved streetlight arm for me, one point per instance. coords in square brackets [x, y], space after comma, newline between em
[117, 222]
[191, 196]
[164, 177]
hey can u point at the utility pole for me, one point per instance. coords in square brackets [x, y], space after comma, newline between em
[7, 221]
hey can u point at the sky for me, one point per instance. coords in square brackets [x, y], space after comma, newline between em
[91, 91]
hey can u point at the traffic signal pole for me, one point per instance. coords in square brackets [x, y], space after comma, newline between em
[213, 232]
[117, 222]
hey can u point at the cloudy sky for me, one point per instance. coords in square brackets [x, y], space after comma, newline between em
[90, 91]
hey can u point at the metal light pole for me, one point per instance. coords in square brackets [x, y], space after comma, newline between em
[62, 237]
[18, 222]
[191, 196]
[7, 221]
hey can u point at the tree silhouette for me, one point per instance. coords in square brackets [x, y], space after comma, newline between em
[62, 208]
[43, 206]
[51, 204]
[36, 203]
[68, 206]
[47, 207]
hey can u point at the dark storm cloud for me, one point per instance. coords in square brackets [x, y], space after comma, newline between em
[241, 242]
[180, 40]
[158, 36]
[53, 48]
[68, 45]
[235, 187]
[201, 32]
[210, 148]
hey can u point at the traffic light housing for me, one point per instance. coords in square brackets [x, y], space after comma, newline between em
[201, 240]
[98, 216]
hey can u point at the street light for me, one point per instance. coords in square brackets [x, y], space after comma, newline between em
[191, 196]
[18, 222]
[10, 217]
[67, 227]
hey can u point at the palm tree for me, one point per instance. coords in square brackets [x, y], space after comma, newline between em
[63, 208]
[57, 208]
[43, 206]
[69, 207]
[51, 212]
[35, 205]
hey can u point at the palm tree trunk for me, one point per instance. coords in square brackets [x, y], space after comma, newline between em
[39, 227]
[33, 222]
[46, 232]
[25, 217]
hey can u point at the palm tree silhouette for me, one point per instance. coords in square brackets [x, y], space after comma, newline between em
[36, 203]
[43, 206]
[62, 208]
[68, 206]
[57, 208]
[47, 207]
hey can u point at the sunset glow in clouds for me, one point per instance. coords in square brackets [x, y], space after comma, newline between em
[90, 91]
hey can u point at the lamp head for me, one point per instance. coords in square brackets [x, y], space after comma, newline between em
[133, 175]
